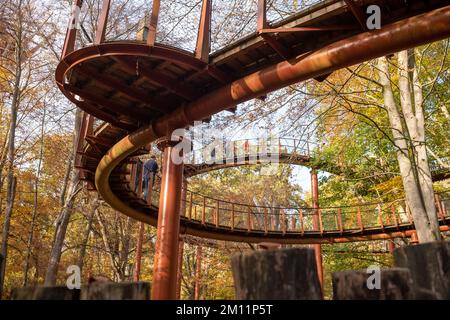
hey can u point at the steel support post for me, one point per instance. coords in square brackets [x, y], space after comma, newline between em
[164, 284]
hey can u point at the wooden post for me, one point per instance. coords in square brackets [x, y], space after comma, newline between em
[283, 274]
[116, 291]
[102, 22]
[45, 293]
[283, 222]
[428, 264]
[395, 284]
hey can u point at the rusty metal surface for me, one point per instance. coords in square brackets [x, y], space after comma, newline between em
[164, 284]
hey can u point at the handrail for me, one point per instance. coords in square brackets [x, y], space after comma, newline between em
[147, 25]
[217, 213]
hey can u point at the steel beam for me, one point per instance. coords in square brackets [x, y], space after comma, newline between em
[204, 32]
[71, 35]
[102, 22]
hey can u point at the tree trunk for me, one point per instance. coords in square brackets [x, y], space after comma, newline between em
[86, 237]
[5, 234]
[11, 180]
[413, 192]
[66, 212]
[55, 256]
[35, 202]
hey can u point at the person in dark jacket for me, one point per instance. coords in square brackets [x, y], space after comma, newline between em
[150, 170]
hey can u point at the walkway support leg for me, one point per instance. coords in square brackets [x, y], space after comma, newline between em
[164, 285]
[315, 205]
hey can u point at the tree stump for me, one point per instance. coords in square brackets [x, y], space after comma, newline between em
[429, 265]
[394, 284]
[284, 274]
[116, 291]
[45, 293]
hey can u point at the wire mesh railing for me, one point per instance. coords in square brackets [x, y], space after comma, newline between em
[173, 23]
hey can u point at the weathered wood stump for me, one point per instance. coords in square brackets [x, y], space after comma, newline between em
[288, 274]
[45, 293]
[116, 291]
[429, 265]
[393, 284]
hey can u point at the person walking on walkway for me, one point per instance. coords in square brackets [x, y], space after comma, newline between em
[150, 171]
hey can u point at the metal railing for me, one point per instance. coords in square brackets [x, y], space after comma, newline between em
[246, 150]
[231, 215]
[217, 23]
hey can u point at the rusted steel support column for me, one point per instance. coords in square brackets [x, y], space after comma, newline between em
[180, 266]
[204, 39]
[198, 273]
[316, 223]
[71, 35]
[153, 24]
[102, 22]
[164, 285]
[137, 266]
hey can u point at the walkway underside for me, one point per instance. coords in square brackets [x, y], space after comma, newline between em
[135, 89]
